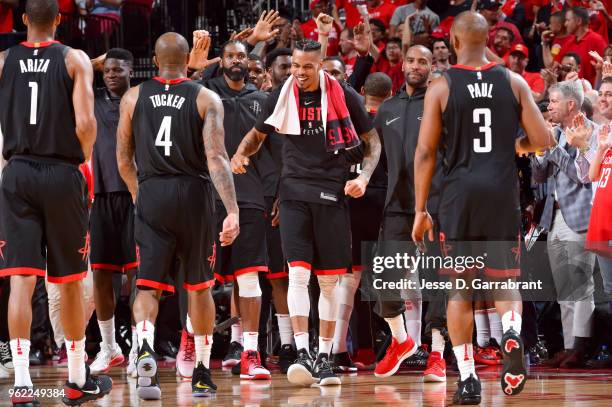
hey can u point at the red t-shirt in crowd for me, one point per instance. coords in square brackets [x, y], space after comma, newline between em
[66, 6]
[535, 81]
[591, 41]
[350, 64]
[558, 45]
[599, 234]
[383, 12]
[309, 28]
[394, 71]
[350, 11]
[6, 18]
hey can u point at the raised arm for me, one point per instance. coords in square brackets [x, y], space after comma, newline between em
[126, 147]
[81, 72]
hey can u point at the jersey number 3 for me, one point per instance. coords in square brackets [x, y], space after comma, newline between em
[483, 117]
[163, 135]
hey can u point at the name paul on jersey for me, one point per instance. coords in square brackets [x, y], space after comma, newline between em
[167, 99]
[480, 90]
[34, 65]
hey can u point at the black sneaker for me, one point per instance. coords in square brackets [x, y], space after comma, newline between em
[23, 396]
[514, 374]
[146, 368]
[167, 349]
[323, 372]
[342, 363]
[300, 371]
[6, 359]
[95, 387]
[286, 357]
[468, 391]
[236, 369]
[419, 359]
[232, 357]
[201, 382]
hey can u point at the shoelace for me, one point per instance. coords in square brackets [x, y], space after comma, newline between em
[252, 356]
[325, 365]
[189, 349]
[5, 353]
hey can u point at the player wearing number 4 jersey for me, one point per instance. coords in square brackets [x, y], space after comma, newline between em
[48, 122]
[480, 105]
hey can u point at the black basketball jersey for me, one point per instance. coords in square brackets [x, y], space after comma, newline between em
[168, 129]
[36, 112]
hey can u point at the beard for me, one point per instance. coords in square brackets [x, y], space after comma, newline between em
[236, 72]
[416, 82]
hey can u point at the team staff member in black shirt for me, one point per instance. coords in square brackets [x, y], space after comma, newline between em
[314, 219]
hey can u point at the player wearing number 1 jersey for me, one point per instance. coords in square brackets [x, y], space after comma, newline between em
[480, 105]
[49, 128]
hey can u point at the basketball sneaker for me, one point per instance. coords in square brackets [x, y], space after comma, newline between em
[6, 360]
[343, 363]
[251, 368]
[201, 382]
[514, 374]
[419, 359]
[436, 368]
[95, 387]
[107, 358]
[323, 373]
[185, 359]
[146, 368]
[468, 391]
[234, 355]
[286, 356]
[488, 355]
[395, 355]
[300, 372]
[23, 396]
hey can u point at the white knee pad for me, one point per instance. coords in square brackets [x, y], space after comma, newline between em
[298, 299]
[248, 285]
[328, 300]
[348, 287]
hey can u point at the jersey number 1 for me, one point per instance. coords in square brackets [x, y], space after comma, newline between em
[485, 114]
[163, 135]
[33, 101]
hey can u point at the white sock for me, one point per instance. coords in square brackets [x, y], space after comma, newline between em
[188, 325]
[237, 332]
[437, 342]
[398, 329]
[203, 346]
[495, 325]
[250, 340]
[20, 351]
[284, 328]
[302, 340]
[483, 333]
[512, 320]
[465, 360]
[107, 331]
[134, 338]
[412, 317]
[340, 335]
[76, 361]
[145, 330]
[325, 345]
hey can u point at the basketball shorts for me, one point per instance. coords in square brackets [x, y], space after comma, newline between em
[111, 226]
[174, 222]
[366, 216]
[43, 220]
[276, 259]
[316, 236]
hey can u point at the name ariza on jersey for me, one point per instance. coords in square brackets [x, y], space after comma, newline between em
[34, 65]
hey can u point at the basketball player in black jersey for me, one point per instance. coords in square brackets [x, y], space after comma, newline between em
[481, 105]
[170, 146]
[49, 128]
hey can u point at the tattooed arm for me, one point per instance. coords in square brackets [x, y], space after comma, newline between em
[356, 187]
[250, 144]
[125, 141]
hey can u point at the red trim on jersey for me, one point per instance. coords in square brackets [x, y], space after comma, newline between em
[155, 284]
[274, 276]
[22, 271]
[170, 81]
[39, 44]
[304, 264]
[130, 266]
[502, 272]
[200, 286]
[110, 267]
[219, 278]
[330, 272]
[471, 68]
[251, 270]
[67, 279]
[357, 267]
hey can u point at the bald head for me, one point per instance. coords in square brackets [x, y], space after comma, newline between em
[171, 49]
[420, 51]
[470, 29]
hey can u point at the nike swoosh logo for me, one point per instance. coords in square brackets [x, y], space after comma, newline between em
[308, 103]
[419, 118]
[144, 355]
[202, 386]
[388, 122]
[96, 391]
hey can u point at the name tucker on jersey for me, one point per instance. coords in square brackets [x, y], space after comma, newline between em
[167, 99]
[481, 90]
[34, 65]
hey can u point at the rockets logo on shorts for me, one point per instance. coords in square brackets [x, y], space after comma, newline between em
[211, 259]
[85, 249]
[512, 382]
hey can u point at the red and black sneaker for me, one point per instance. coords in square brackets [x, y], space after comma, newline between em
[23, 396]
[95, 387]
[514, 374]
[396, 354]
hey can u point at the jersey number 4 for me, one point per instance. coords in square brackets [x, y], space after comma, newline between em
[163, 135]
[483, 117]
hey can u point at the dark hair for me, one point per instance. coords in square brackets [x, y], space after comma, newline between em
[509, 31]
[307, 46]
[395, 40]
[444, 40]
[543, 106]
[582, 13]
[275, 53]
[559, 14]
[254, 57]
[41, 12]
[336, 58]
[379, 24]
[378, 84]
[607, 79]
[230, 42]
[121, 54]
[573, 55]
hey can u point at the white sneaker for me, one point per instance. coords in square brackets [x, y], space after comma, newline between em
[4, 373]
[131, 367]
[106, 358]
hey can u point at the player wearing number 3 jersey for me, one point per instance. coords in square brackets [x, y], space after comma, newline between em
[480, 105]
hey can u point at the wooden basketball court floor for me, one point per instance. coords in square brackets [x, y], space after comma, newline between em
[546, 387]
